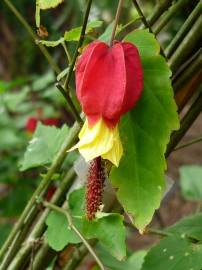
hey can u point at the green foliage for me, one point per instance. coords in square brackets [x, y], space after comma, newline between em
[107, 228]
[191, 182]
[145, 132]
[13, 204]
[133, 262]
[174, 253]
[74, 34]
[190, 227]
[44, 146]
[4, 229]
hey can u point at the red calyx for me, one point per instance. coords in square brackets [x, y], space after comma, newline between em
[109, 80]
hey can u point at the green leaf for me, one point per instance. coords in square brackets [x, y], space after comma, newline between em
[111, 233]
[46, 4]
[145, 132]
[108, 229]
[14, 99]
[43, 81]
[133, 262]
[174, 253]
[45, 143]
[191, 182]
[58, 233]
[74, 34]
[52, 43]
[190, 227]
[9, 139]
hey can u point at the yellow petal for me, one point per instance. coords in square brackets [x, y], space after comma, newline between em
[99, 140]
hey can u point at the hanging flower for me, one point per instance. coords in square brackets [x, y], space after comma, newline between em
[109, 82]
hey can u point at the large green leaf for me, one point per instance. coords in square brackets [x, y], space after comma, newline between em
[174, 253]
[45, 143]
[145, 132]
[188, 227]
[191, 182]
[107, 228]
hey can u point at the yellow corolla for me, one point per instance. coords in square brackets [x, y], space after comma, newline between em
[100, 140]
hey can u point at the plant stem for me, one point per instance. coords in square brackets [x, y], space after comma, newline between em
[187, 73]
[66, 51]
[187, 45]
[186, 123]
[188, 144]
[61, 155]
[39, 227]
[79, 44]
[116, 20]
[72, 226]
[70, 103]
[169, 14]
[183, 30]
[159, 10]
[34, 36]
[146, 24]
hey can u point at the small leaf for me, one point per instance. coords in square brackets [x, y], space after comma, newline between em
[190, 226]
[111, 233]
[74, 34]
[45, 143]
[109, 229]
[58, 233]
[52, 43]
[191, 182]
[174, 253]
[145, 132]
[43, 81]
[46, 4]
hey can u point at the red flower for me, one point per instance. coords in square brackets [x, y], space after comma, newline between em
[31, 124]
[109, 81]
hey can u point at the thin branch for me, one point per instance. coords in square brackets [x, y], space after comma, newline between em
[79, 44]
[183, 30]
[188, 143]
[116, 20]
[146, 24]
[66, 51]
[70, 103]
[187, 46]
[186, 123]
[72, 226]
[169, 14]
[159, 10]
[33, 35]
